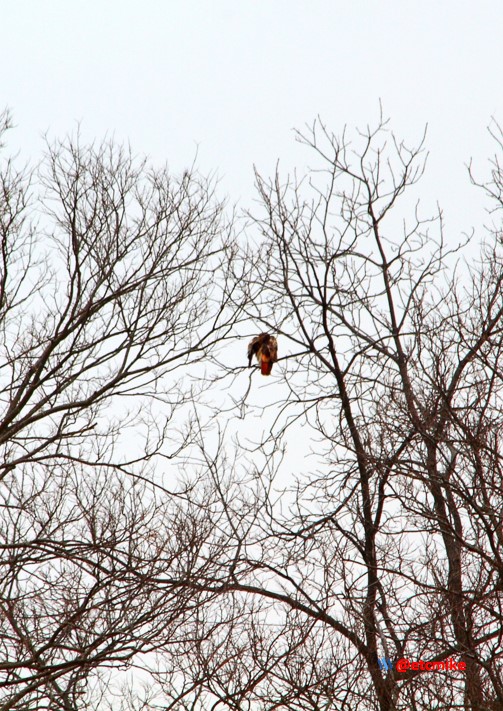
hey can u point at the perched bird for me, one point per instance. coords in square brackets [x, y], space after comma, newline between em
[265, 348]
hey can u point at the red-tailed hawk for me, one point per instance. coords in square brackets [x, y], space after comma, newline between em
[265, 347]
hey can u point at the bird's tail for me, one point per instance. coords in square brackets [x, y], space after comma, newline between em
[266, 367]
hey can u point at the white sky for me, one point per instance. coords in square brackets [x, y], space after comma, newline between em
[233, 77]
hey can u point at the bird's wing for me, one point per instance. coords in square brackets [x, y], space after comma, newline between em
[273, 348]
[252, 348]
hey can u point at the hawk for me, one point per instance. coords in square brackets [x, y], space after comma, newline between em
[265, 348]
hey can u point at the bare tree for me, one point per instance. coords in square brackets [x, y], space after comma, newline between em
[390, 545]
[107, 291]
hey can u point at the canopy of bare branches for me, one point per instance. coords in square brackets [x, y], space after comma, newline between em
[154, 553]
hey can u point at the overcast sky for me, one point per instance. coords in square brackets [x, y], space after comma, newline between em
[231, 78]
